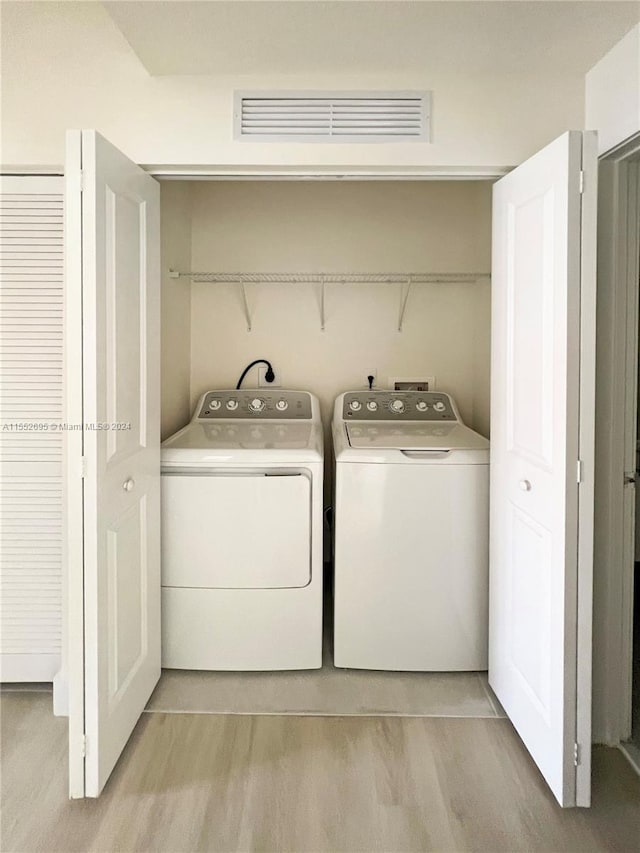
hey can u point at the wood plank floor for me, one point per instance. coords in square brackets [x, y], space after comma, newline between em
[240, 783]
[327, 692]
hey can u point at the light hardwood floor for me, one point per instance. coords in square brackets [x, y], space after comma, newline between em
[196, 782]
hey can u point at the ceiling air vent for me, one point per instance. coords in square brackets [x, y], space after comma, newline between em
[332, 116]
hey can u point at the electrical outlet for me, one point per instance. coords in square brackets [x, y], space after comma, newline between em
[372, 371]
[262, 382]
[409, 383]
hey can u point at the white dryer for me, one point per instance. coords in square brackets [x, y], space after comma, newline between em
[242, 534]
[411, 548]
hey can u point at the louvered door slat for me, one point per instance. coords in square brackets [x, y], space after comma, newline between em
[31, 384]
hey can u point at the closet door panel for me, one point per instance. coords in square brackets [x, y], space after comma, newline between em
[31, 441]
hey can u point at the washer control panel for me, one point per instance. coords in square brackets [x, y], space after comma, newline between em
[397, 405]
[256, 403]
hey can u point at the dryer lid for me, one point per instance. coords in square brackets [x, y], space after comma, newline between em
[414, 436]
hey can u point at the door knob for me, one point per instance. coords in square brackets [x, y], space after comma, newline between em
[525, 485]
[129, 484]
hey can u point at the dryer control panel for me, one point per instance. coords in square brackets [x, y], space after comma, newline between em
[256, 403]
[398, 406]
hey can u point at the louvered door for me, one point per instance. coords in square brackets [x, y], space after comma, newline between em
[31, 351]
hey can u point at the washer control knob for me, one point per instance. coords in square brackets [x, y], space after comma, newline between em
[257, 405]
[372, 406]
[397, 406]
[439, 406]
[232, 405]
[214, 405]
[422, 405]
[282, 405]
[355, 405]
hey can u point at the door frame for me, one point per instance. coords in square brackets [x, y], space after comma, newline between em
[71, 679]
[617, 382]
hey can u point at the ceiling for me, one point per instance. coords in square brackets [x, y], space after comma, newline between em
[339, 37]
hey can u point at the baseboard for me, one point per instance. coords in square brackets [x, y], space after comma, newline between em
[23, 668]
[632, 753]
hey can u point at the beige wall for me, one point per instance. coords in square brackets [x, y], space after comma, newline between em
[175, 224]
[355, 227]
[66, 65]
[612, 93]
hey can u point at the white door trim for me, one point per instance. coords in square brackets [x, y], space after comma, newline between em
[617, 347]
[297, 173]
[586, 456]
[305, 173]
[630, 247]
[73, 540]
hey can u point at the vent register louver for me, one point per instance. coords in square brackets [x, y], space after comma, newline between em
[330, 117]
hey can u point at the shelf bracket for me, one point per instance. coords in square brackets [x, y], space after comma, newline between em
[322, 295]
[404, 297]
[245, 302]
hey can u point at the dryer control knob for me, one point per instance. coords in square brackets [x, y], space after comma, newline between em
[439, 406]
[257, 405]
[397, 406]
[372, 406]
[214, 405]
[422, 405]
[282, 405]
[232, 405]
[355, 405]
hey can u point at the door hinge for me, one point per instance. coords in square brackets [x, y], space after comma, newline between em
[83, 745]
[630, 478]
[581, 182]
[579, 471]
[576, 754]
[78, 182]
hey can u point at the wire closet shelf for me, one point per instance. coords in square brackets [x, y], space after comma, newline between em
[403, 279]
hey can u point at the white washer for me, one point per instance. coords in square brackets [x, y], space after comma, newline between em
[411, 534]
[242, 534]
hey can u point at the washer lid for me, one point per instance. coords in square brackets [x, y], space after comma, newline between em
[414, 436]
[243, 435]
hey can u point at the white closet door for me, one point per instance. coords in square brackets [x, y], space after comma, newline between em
[542, 421]
[113, 249]
[31, 341]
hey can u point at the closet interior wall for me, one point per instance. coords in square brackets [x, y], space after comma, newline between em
[175, 253]
[326, 226]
